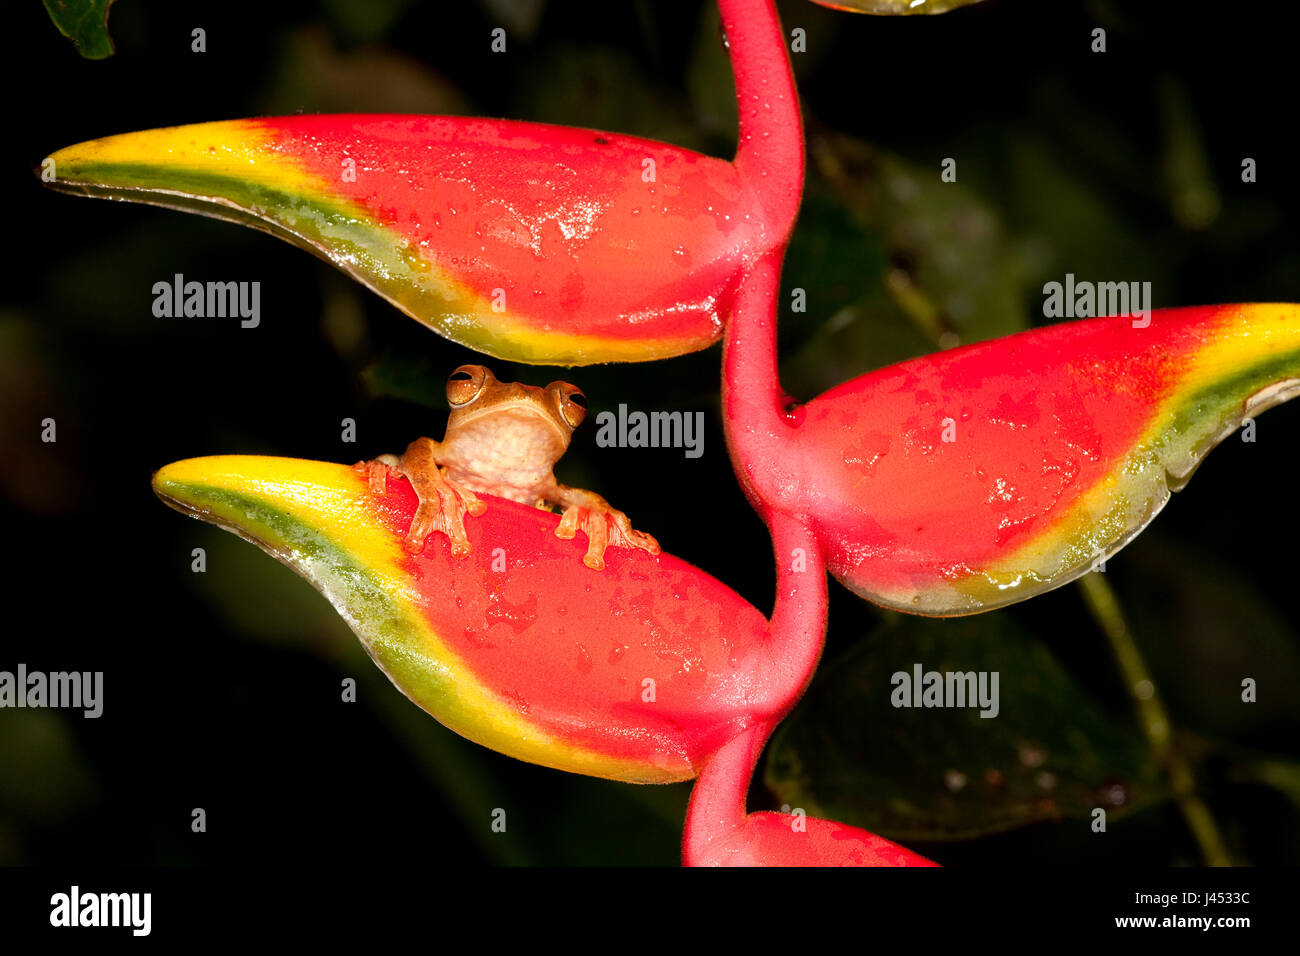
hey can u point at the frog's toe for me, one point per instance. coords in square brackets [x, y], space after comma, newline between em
[439, 513]
[376, 472]
[568, 525]
[645, 542]
[453, 509]
[604, 529]
[591, 523]
[442, 508]
[625, 536]
[597, 529]
[422, 525]
[463, 499]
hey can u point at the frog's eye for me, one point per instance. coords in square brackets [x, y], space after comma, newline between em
[464, 384]
[573, 404]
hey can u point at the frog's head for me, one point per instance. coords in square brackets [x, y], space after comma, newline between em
[539, 422]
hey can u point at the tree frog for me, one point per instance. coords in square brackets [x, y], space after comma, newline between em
[502, 438]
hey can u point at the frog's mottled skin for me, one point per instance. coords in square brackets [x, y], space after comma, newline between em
[503, 439]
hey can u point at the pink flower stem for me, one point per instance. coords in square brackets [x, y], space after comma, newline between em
[770, 159]
[769, 154]
[796, 633]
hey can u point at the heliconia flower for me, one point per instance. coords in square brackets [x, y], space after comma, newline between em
[534, 243]
[638, 672]
[980, 476]
[528, 242]
[784, 839]
[720, 833]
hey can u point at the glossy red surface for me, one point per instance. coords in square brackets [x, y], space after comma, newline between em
[571, 648]
[584, 231]
[943, 464]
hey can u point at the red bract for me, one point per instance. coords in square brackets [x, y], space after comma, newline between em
[638, 672]
[530, 242]
[648, 671]
[980, 476]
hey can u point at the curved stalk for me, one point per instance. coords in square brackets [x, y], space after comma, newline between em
[717, 805]
[770, 150]
[797, 631]
[754, 420]
[796, 635]
[1153, 718]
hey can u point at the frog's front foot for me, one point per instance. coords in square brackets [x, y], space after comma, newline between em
[377, 470]
[604, 527]
[443, 502]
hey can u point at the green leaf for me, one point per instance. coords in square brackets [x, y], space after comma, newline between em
[875, 252]
[948, 773]
[85, 23]
[958, 297]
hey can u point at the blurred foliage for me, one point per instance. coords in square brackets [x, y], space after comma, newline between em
[311, 69]
[85, 23]
[224, 689]
[899, 262]
[519, 17]
[357, 24]
[55, 783]
[1191, 192]
[1181, 604]
[29, 394]
[1050, 753]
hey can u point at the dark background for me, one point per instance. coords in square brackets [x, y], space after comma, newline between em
[222, 689]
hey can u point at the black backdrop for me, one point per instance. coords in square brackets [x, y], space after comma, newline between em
[222, 690]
